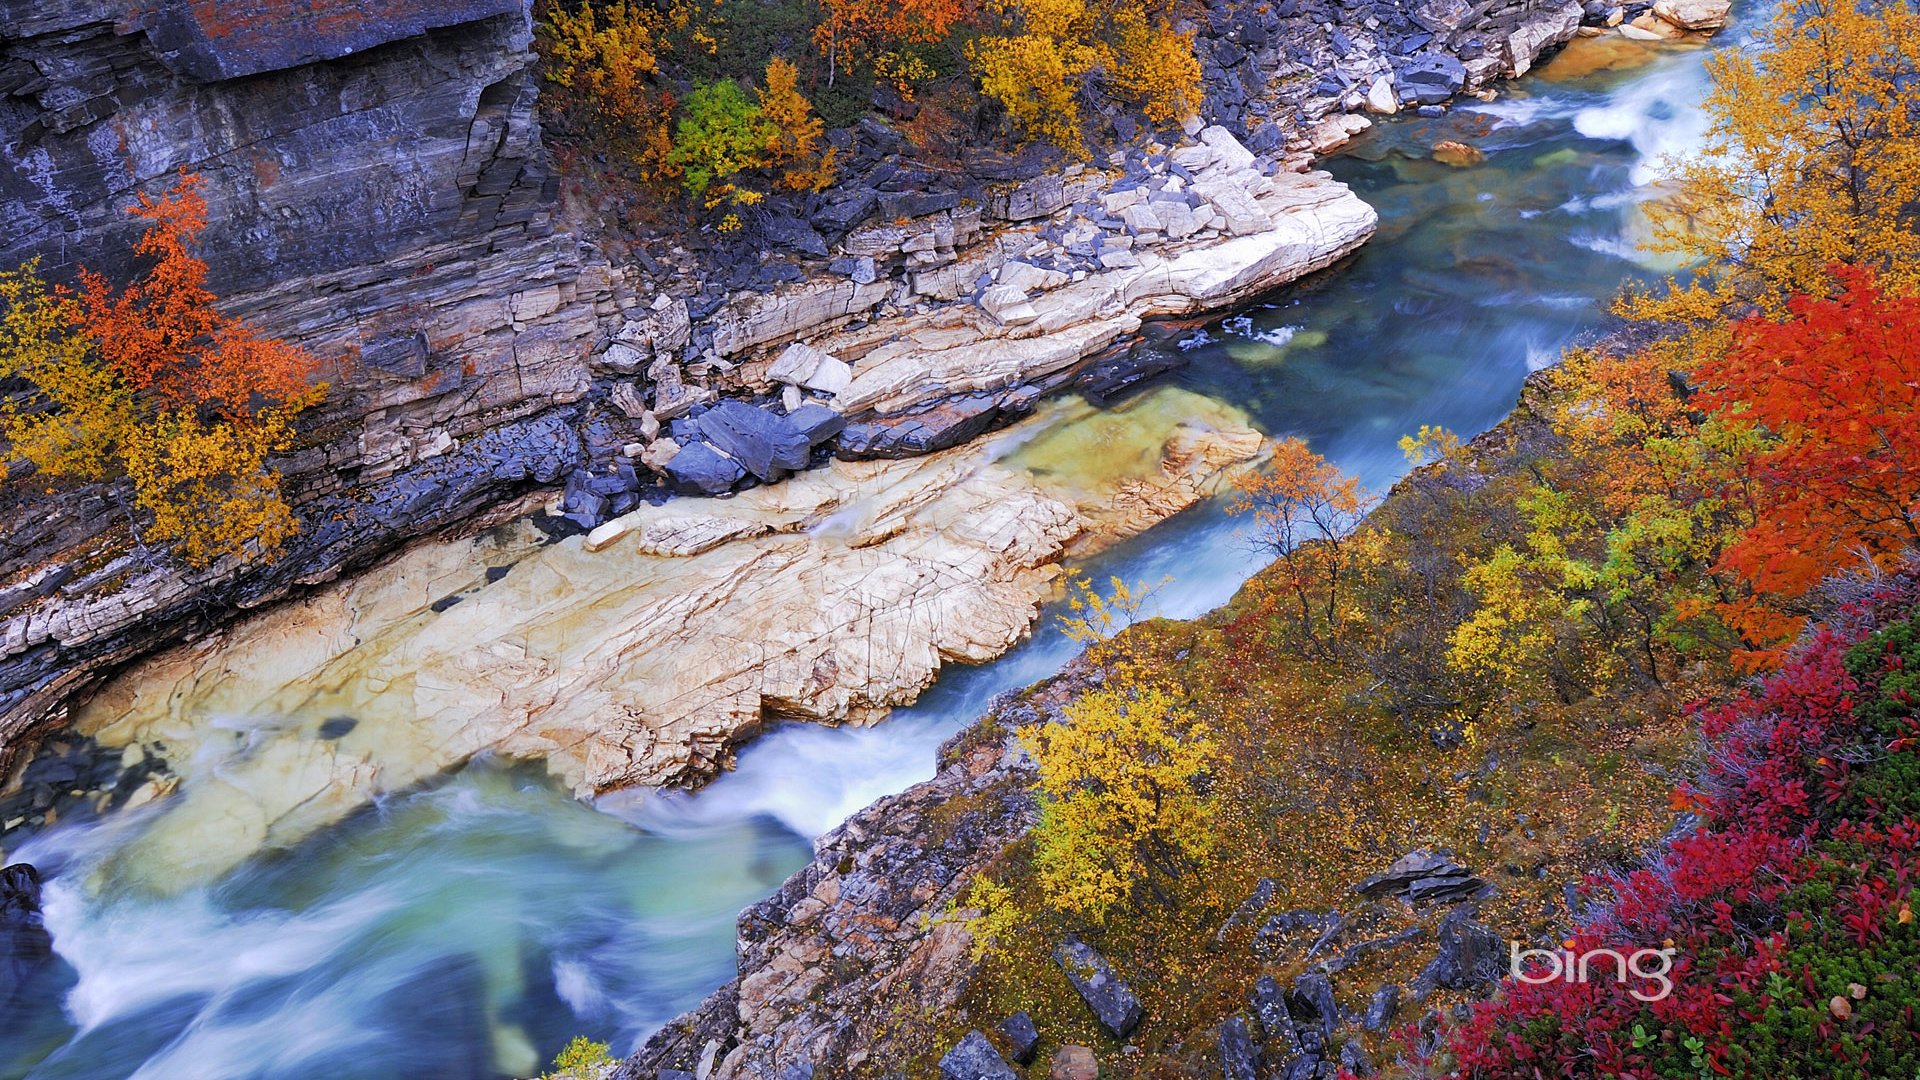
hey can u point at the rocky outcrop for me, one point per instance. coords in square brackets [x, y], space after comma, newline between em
[856, 958]
[379, 193]
[644, 653]
[25, 947]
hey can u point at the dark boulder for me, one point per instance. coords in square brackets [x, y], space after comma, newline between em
[1431, 78]
[817, 422]
[1422, 876]
[764, 443]
[1274, 1018]
[974, 1058]
[1381, 1007]
[946, 424]
[699, 469]
[1471, 955]
[1313, 996]
[1022, 1037]
[1238, 1058]
[1112, 1001]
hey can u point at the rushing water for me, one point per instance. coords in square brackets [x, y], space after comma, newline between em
[469, 929]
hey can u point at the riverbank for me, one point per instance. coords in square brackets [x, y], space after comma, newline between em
[1515, 807]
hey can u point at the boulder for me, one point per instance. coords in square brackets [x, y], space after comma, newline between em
[1007, 305]
[1471, 955]
[817, 422]
[1431, 78]
[1407, 869]
[1542, 29]
[1227, 151]
[699, 469]
[1022, 1037]
[805, 366]
[1694, 14]
[937, 427]
[1381, 98]
[25, 946]
[1073, 1063]
[1234, 203]
[1238, 1058]
[1271, 1013]
[1381, 1007]
[1313, 994]
[974, 1058]
[1112, 1001]
[764, 443]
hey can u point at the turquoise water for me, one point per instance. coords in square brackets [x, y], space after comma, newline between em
[468, 930]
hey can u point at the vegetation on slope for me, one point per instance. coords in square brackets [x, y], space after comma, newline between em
[728, 101]
[148, 381]
[1498, 661]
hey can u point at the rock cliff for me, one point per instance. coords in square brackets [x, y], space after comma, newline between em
[379, 193]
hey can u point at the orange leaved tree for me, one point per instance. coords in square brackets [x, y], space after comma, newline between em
[152, 381]
[855, 29]
[1304, 512]
[1834, 390]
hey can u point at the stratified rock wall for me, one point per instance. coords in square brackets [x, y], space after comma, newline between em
[377, 191]
[376, 187]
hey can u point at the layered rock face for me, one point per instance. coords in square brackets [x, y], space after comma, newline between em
[378, 192]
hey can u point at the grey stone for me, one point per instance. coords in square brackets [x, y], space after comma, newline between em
[1112, 1001]
[1381, 1008]
[974, 1058]
[1313, 994]
[1270, 1012]
[817, 422]
[945, 424]
[1238, 1058]
[1470, 954]
[1406, 870]
[1022, 1037]
[764, 443]
[699, 469]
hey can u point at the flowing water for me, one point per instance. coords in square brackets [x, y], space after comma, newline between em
[467, 930]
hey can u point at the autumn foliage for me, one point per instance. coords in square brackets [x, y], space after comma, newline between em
[1043, 56]
[153, 382]
[1812, 158]
[1790, 913]
[1834, 390]
[853, 30]
[1303, 511]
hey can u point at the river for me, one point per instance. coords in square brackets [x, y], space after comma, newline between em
[468, 929]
